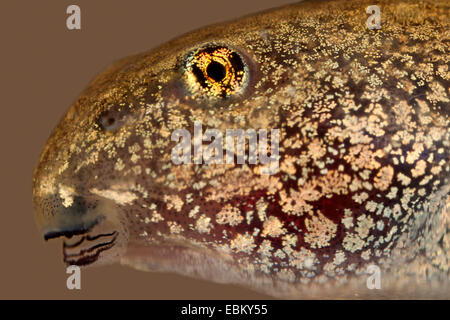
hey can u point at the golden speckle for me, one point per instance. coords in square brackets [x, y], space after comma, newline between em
[273, 227]
[320, 231]
[229, 215]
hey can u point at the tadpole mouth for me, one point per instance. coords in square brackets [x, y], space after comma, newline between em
[88, 226]
[87, 246]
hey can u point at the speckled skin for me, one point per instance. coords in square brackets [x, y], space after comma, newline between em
[364, 157]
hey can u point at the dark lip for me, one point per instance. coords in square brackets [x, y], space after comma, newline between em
[67, 234]
[70, 233]
[91, 254]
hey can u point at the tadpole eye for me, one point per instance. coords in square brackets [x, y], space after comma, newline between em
[215, 71]
[112, 119]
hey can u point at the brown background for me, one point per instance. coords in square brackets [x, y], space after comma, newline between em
[44, 67]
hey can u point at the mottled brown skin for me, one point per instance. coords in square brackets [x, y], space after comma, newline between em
[364, 157]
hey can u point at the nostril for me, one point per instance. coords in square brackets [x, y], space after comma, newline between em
[79, 205]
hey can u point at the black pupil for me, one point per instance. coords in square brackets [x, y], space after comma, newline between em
[216, 71]
[111, 121]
